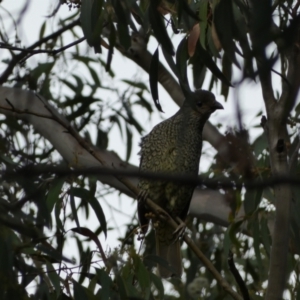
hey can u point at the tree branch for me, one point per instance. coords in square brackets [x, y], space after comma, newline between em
[31, 51]
[17, 58]
[277, 140]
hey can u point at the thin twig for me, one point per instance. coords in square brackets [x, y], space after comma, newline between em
[32, 51]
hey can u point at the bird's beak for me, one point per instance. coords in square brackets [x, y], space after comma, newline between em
[217, 105]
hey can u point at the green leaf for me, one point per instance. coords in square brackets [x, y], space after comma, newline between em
[158, 260]
[63, 296]
[79, 84]
[143, 275]
[129, 143]
[86, 195]
[82, 293]
[199, 71]
[233, 229]
[42, 30]
[144, 103]
[159, 28]
[203, 6]
[57, 210]
[53, 253]
[240, 31]
[211, 65]
[84, 59]
[153, 78]
[110, 72]
[99, 213]
[256, 242]
[122, 25]
[106, 283]
[252, 200]
[260, 144]
[227, 71]
[223, 20]
[54, 192]
[88, 233]
[54, 278]
[265, 234]
[181, 61]
[158, 284]
[94, 75]
[91, 23]
[170, 62]
[85, 18]
[70, 85]
[112, 42]
[137, 84]
[73, 207]
[183, 6]
[122, 287]
[227, 242]
[43, 68]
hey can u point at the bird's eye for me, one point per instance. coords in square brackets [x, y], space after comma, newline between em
[199, 103]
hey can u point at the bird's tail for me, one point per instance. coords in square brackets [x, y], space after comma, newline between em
[169, 250]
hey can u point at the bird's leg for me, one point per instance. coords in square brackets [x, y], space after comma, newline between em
[180, 230]
[142, 197]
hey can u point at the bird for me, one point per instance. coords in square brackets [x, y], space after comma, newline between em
[173, 146]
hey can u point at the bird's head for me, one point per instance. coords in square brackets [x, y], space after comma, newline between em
[202, 103]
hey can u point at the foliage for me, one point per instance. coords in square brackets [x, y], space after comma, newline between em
[218, 39]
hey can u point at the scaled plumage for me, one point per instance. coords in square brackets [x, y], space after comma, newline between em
[174, 146]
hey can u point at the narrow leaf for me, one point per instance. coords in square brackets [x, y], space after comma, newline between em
[99, 213]
[142, 273]
[203, 6]
[54, 192]
[85, 18]
[227, 71]
[211, 65]
[81, 292]
[55, 279]
[223, 20]
[112, 41]
[129, 143]
[105, 281]
[153, 78]
[88, 233]
[73, 208]
[159, 28]
[181, 60]
[183, 4]
[158, 284]
[86, 195]
[123, 20]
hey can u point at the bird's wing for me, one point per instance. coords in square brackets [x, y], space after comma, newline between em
[157, 155]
